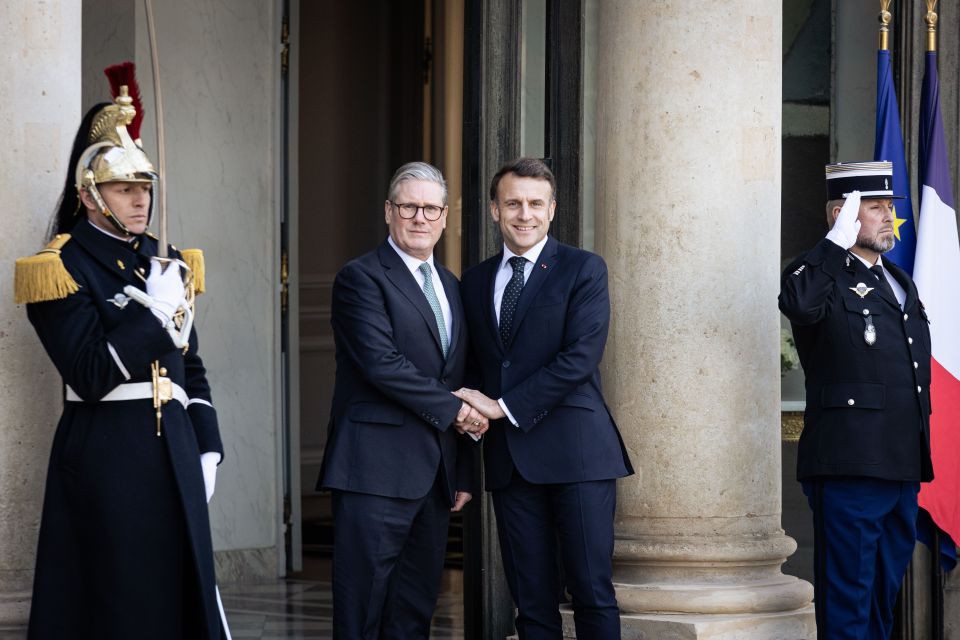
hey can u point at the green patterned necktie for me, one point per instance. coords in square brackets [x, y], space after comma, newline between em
[434, 302]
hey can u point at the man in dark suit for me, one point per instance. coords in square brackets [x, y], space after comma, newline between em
[538, 314]
[864, 342]
[395, 458]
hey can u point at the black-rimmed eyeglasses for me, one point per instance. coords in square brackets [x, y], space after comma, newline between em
[408, 210]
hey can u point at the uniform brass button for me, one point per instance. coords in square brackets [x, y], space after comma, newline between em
[851, 402]
[906, 317]
[163, 371]
[909, 340]
[866, 312]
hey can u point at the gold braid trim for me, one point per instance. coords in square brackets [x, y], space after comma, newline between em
[43, 277]
[194, 260]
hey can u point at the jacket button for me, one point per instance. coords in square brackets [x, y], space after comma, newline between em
[918, 388]
[915, 365]
[851, 402]
[506, 364]
[866, 312]
[906, 317]
[443, 380]
[909, 340]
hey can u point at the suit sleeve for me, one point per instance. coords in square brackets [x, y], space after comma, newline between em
[807, 285]
[73, 335]
[586, 325]
[363, 329]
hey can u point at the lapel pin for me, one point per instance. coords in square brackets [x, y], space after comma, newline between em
[848, 259]
[861, 289]
[543, 265]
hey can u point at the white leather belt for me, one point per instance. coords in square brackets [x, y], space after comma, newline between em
[132, 391]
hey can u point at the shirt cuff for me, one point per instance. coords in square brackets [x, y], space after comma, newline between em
[118, 361]
[503, 405]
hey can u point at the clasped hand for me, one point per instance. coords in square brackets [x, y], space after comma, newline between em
[478, 408]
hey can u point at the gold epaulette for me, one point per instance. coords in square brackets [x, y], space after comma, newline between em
[43, 277]
[194, 260]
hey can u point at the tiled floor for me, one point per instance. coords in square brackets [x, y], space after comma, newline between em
[302, 608]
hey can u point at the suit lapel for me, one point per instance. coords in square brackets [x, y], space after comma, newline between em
[905, 282]
[542, 269]
[398, 274]
[493, 322]
[451, 289]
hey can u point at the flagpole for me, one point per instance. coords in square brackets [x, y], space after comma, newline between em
[937, 582]
[885, 18]
[931, 19]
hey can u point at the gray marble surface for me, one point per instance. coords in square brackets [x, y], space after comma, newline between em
[303, 608]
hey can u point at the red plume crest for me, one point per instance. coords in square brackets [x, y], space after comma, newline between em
[125, 74]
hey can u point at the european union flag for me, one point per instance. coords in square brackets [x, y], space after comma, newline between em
[888, 145]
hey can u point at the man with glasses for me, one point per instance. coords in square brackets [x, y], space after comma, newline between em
[396, 459]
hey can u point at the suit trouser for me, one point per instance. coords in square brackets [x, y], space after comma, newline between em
[387, 563]
[531, 520]
[864, 535]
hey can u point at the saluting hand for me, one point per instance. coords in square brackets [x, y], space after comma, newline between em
[846, 228]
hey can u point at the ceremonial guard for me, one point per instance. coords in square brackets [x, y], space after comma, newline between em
[864, 342]
[125, 548]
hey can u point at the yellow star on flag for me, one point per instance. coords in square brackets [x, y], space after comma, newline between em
[897, 223]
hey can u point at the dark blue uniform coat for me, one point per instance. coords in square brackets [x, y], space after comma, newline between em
[125, 548]
[868, 405]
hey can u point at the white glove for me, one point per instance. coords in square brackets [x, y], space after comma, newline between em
[846, 228]
[208, 463]
[166, 289]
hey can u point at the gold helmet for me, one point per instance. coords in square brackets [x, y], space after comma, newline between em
[113, 155]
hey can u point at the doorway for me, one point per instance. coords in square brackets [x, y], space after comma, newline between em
[372, 85]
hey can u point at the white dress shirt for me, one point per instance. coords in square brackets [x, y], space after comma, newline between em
[413, 264]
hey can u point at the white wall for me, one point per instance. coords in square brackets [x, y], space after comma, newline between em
[219, 71]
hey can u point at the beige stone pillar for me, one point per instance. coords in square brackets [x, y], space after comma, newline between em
[39, 113]
[688, 202]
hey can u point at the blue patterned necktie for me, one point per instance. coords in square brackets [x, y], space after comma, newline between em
[511, 294]
[434, 303]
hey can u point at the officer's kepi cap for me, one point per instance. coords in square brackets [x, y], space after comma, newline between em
[871, 179]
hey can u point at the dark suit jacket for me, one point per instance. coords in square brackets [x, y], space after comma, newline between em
[868, 406]
[548, 375]
[390, 423]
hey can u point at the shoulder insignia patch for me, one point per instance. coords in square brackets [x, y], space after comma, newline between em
[43, 277]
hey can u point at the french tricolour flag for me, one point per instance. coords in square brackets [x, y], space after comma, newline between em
[937, 275]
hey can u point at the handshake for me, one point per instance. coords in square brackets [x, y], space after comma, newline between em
[476, 412]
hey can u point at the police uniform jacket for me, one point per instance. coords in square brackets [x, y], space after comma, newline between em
[868, 398]
[125, 535]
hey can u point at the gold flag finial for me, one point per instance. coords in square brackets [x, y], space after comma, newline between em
[931, 19]
[885, 17]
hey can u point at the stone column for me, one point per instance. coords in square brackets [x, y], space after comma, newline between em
[688, 219]
[39, 113]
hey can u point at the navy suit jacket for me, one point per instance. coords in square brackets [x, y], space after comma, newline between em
[548, 375]
[390, 423]
[868, 405]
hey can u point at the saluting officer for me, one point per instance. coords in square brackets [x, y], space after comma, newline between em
[863, 339]
[125, 548]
